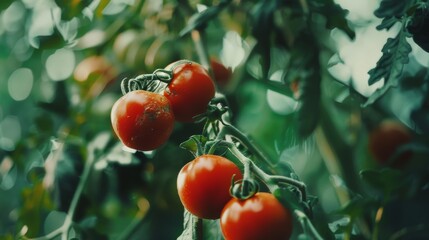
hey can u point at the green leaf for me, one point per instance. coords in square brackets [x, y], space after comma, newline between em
[391, 11]
[335, 15]
[71, 9]
[199, 20]
[389, 67]
[60, 104]
[262, 21]
[191, 227]
[289, 199]
[194, 144]
[385, 181]
[308, 68]
[5, 4]
[356, 207]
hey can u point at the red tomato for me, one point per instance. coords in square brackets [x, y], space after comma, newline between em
[221, 73]
[142, 120]
[260, 217]
[203, 185]
[189, 91]
[385, 139]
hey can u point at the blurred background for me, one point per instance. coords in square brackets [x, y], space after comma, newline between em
[61, 63]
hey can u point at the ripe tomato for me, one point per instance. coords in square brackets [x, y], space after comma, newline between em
[259, 217]
[386, 138]
[189, 91]
[203, 185]
[221, 73]
[142, 120]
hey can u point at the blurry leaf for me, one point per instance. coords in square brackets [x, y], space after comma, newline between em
[356, 207]
[5, 4]
[36, 202]
[100, 141]
[191, 228]
[60, 104]
[389, 67]
[212, 230]
[418, 26]
[308, 68]
[262, 21]
[335, 15]
[71, 9]
[384, 181]
[391, 11]
[200, 20]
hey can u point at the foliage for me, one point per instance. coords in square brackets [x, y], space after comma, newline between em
[283, 118]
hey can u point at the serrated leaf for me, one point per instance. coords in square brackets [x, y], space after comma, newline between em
[190, 227]
[335, 15]
[389, 67]
[194, 144]
[391, 11]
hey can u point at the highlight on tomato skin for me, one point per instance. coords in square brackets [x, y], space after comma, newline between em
[190, 90]
[203, 185]
[142, 120]
[259, 217]
[385, 139]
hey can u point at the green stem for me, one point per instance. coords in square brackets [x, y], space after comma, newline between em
[269, 179]
[378, 217]
[305, 222]
[229, 129]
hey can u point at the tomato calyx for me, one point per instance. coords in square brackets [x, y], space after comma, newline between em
[153, 82]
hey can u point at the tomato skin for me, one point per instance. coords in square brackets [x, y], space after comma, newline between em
[203, 185]
[189, 91]
[221, 73]
[142, 120]
[260, 217]
[385, 139]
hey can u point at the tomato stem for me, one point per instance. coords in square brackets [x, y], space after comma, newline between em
[269, 180]
[149, 82]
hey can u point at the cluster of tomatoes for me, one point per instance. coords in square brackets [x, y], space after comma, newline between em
[143, 120]
[204, 189]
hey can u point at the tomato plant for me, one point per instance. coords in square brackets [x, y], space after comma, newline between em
[190, 90]
[261, 216]
[385, 140]
[203, 185]
[142, 120]
[310, 77]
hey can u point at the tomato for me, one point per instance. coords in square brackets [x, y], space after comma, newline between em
[260, 217]
[221, 73]
[386, 138]
[190, 90]
[142, 120]
[203, 185]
